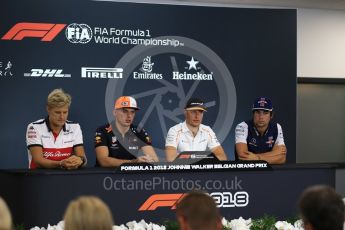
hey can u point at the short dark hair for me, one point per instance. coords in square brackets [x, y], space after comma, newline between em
[199, 210]
[271, 112]
[322, 207]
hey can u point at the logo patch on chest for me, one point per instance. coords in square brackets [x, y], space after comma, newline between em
[253, 142]
[270, 141]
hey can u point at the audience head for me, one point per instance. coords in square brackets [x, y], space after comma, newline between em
[198, 211]
[5, 216]
[88, 213]
[321, 208]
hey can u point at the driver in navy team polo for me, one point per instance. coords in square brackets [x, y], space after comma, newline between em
[120, 141]
[191, 135]
[55, 142]
[260, 138]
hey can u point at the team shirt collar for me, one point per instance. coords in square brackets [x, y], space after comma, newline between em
[257, 132]
[185, 127]
[116, 132]
[46, 120]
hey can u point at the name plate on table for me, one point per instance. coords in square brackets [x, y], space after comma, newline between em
[190, 157]
[197, 167]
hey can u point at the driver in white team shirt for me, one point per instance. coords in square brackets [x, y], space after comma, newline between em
[191, 135]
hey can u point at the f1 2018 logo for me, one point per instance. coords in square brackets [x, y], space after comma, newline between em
[230, 200]
[222, 199]
[46, 31]
[161, 200]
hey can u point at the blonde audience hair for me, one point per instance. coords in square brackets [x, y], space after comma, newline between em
[58, 98]
[5, 216]
[88, 213]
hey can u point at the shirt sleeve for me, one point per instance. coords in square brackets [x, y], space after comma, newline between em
[100, 137]
[213, 141]
[241, 133]
[171, 139]
[144, 136]
[78, 136]
[33, 136]
[280, 137]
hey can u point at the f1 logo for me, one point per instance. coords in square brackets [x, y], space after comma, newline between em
[46, 31]
[161, 200]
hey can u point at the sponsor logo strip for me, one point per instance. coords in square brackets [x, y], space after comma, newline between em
[46, 73]
[95, 72]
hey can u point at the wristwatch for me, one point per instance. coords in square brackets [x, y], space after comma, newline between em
[83, 158]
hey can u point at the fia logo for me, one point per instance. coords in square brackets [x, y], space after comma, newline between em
[78, 33]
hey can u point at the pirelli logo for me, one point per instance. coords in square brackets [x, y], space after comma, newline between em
[161, 200]
[94, 72]
[46, 31]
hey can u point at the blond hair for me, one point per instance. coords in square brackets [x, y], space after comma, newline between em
[58, 98]
[5, 216]
[88, 213]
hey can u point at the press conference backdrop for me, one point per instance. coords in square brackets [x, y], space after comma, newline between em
[160, 54]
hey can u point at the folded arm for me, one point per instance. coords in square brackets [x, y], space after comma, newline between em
[170, 152]
[149, 153]
[103, 158]
[219, 152]
[276, 156]
[73, 162]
